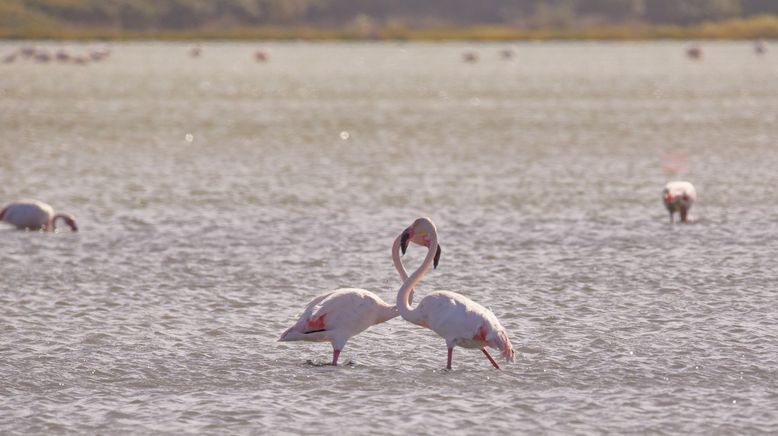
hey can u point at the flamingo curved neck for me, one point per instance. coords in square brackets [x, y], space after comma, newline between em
[386, 313]
[398, 263]
[403, 295]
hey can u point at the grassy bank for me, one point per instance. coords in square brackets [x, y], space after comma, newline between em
[751, 28]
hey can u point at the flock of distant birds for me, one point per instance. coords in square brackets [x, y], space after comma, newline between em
[97, 54]
[694, 51]
[43, 55]
[338, 315]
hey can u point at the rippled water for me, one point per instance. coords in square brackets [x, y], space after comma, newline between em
[543, 174]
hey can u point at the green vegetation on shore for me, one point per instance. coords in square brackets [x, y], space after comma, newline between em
[752, 28]
[487, 20]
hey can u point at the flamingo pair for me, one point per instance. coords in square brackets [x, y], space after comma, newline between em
[338, 315]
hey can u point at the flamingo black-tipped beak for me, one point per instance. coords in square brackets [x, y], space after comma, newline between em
[404, 241]
[437, 258]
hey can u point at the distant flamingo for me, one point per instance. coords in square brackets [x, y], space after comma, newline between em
[338, 315]
[760, 47]
[34, 215]
[99, 53]
[28, 51]
[470, 56]
[62, 55]
[80, 60]
[694, 52]
[678, 197]
[507, 53]
[456, 318]
[42, 56]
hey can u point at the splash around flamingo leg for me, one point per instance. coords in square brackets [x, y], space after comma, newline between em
[450, 354]
[488, 356]
[335, 355]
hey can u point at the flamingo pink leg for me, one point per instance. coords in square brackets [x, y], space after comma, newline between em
[450, 354]
[490, 358]
[335, 355]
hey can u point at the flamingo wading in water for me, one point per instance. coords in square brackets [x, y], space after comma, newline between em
[338, 315]
[678, 197]
[456, 318]
[34, 215]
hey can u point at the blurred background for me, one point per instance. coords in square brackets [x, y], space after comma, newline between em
[485, 19]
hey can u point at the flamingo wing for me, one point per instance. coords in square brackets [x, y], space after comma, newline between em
[463, 322]
[335, 316]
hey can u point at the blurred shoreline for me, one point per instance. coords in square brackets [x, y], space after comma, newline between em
[764, 26]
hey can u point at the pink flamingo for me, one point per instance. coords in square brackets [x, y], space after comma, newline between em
[456, 318]
[678, 197]
[34, 215]
[338, 315]
[694, 52]
[470, 57]
[760, 47]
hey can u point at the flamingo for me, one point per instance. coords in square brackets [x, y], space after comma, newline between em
[456, 318]
[99, 53]
[694, 52]
[470, 56]
[62, 55]
[338, 315]
[42, 56]
[34, 215]
[678, 196]
[760, 47]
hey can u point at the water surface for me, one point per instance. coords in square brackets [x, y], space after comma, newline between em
[216, 196]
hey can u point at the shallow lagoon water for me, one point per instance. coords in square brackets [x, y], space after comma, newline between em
[217, 196]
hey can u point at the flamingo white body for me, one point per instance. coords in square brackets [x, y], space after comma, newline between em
[34, 215]
[338, 315]
[456, 318]
[679, 196]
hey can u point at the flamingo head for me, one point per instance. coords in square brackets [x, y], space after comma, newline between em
[69, 221]
[667, 197]
[420, 233]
